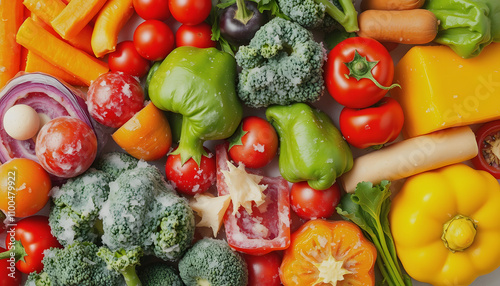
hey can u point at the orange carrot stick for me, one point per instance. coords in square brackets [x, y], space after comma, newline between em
[12, 14]
[110, 20]
[48, 10]
[75, 16]
[35, 63]
[146, 135]
[57, 52]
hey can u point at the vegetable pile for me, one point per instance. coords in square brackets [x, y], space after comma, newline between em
[258, 142]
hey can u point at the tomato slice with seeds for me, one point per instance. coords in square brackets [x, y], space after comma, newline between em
[488, 141]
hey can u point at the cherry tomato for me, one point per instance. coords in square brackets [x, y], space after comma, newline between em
[190, 178]
[255, 143]
[152, 9]
[347, 58]
[372, 126]
[24, 187]
[190, 12]
[66, 146]
[114, 97]
[9, 274]
[199, 36]
[153, 40]
[34, 234]
[263, 270]
[126, 59]
[309, 203]
[488, 140]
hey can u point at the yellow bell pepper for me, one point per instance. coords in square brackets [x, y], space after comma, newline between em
[446, 225]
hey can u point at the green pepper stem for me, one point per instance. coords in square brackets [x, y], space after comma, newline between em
[17, 251]
[243, 14]
[348, 18]
[190, 146]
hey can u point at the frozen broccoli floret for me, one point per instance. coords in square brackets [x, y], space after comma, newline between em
[115, 163]
[213, 262]
[321, 14]
[281, 65]
[75, 265]
[124, 262]
[159, 274]
[142, 210]
[76, 205]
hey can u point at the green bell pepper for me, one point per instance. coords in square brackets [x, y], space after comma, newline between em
[466, 26]
[200, 84]
[311, 147]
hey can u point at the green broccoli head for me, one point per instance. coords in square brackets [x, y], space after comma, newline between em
[123, 261]
[38, 279]
[77, 265]
[213, 262]
[282, 64]
[308, 14]
[76, 205]
[114, 163]
[159, 274]
[142, 210]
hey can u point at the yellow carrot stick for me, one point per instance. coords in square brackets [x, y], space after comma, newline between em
[12, 14]
[35, 63]
[75, 16]
[110, 20]
[59, 53]
[48, 10]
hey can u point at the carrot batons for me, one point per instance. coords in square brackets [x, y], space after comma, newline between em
[59, 53]
[75, 16]
[12, 15]
[35, 63]
[110, 20]
[146, 135]
[48, 10]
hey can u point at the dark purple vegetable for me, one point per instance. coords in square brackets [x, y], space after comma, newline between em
[48, 96]
[239, 22]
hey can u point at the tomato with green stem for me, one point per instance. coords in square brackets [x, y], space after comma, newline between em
[31, 236]
[372, 126]
[488, 141]
[359, 72]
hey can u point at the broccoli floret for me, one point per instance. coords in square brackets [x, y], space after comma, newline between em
[124, 262]
[281, 65]
[76, 205]
[75, 265]
[142, 210]
[37, 279]
[213, 262]
[321, 14]
[159, 274]
[114, 163]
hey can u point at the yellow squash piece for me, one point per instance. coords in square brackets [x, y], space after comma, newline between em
[440, 89]
[446, 225]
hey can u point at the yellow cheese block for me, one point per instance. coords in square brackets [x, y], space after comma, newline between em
[442, 90]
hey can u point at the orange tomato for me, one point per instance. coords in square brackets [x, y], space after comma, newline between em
[24, 187]
[326, 252]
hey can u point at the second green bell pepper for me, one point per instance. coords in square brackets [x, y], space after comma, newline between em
[311, 147]
[200, 84]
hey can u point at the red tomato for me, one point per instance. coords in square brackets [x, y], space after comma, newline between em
[267, 228]
[126, 59]
[9, 274]
[309, 203]
[114, 97]
[24, 187]
[372, 126]
[263, 270]
[487, 137]
[349, 91]
[66, 146]
[255, 143]
[199, 36]
[153, 40]
[190, 12]
[34, 234]
[190, 178]
[152, 9]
